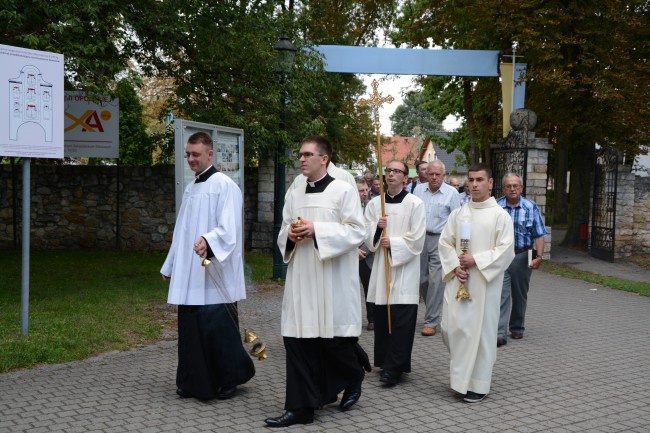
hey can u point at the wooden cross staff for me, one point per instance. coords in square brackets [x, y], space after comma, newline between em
[375, 101]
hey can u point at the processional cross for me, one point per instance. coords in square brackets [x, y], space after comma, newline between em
[375, 101]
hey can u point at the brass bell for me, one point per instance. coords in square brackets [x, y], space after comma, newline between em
[206, 262]
[249, 336]
[258, 351]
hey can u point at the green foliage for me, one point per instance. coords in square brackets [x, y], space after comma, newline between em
[587, 76]
[135, 145]
[413, 119]
[92, 35]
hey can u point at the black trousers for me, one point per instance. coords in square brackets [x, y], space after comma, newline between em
[393, 351]
[364, 276]
[211, 354]
[320, 368]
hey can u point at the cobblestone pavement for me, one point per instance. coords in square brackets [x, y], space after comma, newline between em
[582, 366]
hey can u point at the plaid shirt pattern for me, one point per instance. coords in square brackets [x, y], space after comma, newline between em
[528, 221]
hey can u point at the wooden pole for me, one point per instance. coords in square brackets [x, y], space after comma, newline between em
[375, 101]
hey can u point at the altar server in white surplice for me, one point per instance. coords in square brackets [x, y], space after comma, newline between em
[469, 327]
[211, 358]
[300, 181]
[321, 230]
[405, 231]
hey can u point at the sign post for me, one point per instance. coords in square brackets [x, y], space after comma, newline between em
[31, 126]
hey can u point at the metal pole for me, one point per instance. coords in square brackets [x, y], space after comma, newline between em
[24, 293]
[117, 211]
[279, 267]
[14, 201]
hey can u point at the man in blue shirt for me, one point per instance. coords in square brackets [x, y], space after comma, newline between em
[529, 234]
[439, 200]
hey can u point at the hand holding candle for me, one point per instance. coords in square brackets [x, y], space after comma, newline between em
[465, 236]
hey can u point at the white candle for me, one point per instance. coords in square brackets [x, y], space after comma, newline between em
[465, 230]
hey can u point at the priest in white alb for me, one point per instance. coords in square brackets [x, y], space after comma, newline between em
[212, 360]
[469, 327]
[405, 226]
[321, 310]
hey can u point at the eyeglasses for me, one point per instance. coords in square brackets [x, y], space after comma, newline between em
[394, 171]
[307, 155]
[511, 186]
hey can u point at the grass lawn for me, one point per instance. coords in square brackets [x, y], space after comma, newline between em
[86, 302]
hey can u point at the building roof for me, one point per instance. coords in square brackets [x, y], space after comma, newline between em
[409, 149]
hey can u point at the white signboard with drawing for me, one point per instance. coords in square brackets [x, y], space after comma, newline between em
[228, 146]
[31, 103]
[92, 128]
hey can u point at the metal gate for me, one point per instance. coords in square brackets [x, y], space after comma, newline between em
[510, 157]
[603, 214]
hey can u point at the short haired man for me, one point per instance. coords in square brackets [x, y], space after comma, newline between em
[469, 327]
[465, 196]
[404, 224]
[322, 227]
[375, 188]
[211, 358]
[529, 235]
[439, 200]
[421, 169]
[454, 182]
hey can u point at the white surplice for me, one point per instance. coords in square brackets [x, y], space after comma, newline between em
[469, 328]
[321, 293]
[212, 209]
[406, 229]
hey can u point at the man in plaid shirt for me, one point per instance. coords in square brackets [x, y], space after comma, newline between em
[529, 234]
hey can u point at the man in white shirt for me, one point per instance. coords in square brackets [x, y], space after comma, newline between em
[439, 200]
[211, 358]
[322, 228]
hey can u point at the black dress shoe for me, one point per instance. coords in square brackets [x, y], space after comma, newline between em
[227, 392]
[351, 395]
[501, 342]
[390, 377]
[301, 416]
[183, 394]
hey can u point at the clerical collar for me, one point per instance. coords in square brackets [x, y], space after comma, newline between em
[319, 185]
[202, 177]
[396, 198]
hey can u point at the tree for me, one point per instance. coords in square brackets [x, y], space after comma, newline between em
[587, 73]
[412, 117]
[135, 144]
[92, 35]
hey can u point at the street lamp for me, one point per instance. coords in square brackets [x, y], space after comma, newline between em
[285, 54]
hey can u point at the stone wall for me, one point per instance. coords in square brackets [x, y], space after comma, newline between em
[76, 207]
[262, 235]
[632, 218]
[641, 219]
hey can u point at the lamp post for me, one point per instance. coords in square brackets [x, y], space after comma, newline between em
[285, 55]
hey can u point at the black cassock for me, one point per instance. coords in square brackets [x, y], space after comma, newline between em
[320, 368]
[211, 354]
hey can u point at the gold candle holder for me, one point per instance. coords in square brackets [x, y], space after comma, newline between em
[296, 225]
[463, 293]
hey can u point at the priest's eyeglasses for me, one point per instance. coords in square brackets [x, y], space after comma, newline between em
[308, 155]
[394, 171]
